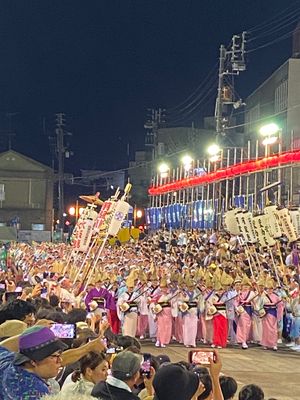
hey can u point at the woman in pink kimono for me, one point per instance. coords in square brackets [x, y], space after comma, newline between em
[243, 309]
[273, 312]
[164, 317]
[188, 304]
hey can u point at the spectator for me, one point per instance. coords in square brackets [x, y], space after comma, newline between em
[125, 372]
[205, 378]
[11, 328]
[251, 392]
[228, 387]
[23, 374]
[93, 369]
[18, 309]
[187, 384]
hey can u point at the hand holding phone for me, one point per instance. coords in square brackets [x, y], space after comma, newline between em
[146, 365]
[64, 331]
[201, 356]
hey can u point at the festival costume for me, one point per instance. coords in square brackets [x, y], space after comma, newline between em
[189, 307]
[269, 321]
[244, 321]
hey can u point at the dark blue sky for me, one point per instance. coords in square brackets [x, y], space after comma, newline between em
[104, 62]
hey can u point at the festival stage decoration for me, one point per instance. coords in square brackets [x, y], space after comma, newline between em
[247, 167]
[230, 222]
[285, 221]
[93, 230]
[262, 231]
[275, 230]
[245, 223]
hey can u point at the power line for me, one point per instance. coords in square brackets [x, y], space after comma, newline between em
[273, 20]
[264, 118]
[270, 43]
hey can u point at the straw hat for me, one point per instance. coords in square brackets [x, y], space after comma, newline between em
[11, 328]
[270, 284]
[246, 281]
[226, 280]
[163, 282]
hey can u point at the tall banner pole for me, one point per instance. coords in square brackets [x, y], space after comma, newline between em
[202, 188]
[248, 177]
[255, 178]
[233, 182]
[241, 176]
[227, 181]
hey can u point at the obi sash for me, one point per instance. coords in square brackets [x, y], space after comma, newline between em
[271, 309]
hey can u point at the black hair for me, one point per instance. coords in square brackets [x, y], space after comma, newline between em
[54, 300]
[228, 386]
[57, 316]
[76, 315]
[90, 360]
[42, 313]
[205, 379]
[127, 341]
[16, 309]
[40, 302]
[251, 392]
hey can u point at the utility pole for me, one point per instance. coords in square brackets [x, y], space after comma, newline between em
[60, 123]
[235, 63]
[219, 101]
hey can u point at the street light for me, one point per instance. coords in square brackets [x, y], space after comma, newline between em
[72, 210]
[269, 132]
[163, 169]
[269, 129]
[139, 213]
[187, 162]
[213, 149]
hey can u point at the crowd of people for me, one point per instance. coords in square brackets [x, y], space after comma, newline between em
[64, 334]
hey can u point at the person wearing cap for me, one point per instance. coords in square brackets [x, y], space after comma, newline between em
[187, 387]
[23, 375]
[125, 372]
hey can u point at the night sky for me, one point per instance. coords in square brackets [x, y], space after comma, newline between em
[103, 63]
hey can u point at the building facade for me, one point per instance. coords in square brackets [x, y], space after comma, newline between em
[26, 192]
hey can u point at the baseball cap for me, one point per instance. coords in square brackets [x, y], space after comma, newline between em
[37, 343]
[186, 386]
[125, 365]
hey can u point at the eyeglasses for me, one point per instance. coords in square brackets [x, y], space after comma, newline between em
[56, 356]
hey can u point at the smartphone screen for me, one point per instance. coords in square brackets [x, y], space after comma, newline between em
[146, 365]
[64, 331]
[111, 350]
[10, 296]
[201, 357]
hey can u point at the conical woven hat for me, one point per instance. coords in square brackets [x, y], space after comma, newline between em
[246, 281]
[163, 282]
[226, 280]
[270, 284]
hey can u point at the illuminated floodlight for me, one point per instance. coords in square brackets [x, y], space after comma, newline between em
[213, 149]
[269, 129]
[269, 140]
[187, 162]
[163, 168]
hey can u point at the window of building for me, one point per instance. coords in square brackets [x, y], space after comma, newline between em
[2, 192]
[252, 116]
[281, 96]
